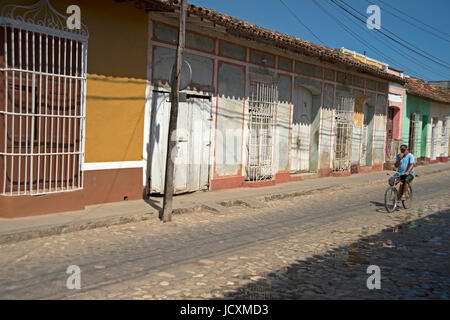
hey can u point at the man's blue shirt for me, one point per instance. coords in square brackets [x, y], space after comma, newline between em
[405, 163]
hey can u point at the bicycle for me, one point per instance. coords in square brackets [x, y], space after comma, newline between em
[391, 200]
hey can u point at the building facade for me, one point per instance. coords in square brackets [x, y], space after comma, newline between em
[85, 118]
[394, 119]
[71, 129]
[425, 121]
[394, 111]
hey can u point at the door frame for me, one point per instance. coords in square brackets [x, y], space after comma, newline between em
[296, 94]
[256, 77]
[158, 188]
[434, 121]
[346, 119]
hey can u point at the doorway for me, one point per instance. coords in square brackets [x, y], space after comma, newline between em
[434, 138]
[390, 151]
[301, 130]
[413, 126]
[262, 102]
[424, 137]
[444, 137]
[345, 106]
[192, 154]
[367, 135]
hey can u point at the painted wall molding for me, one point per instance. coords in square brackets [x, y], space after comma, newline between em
[112, 165]
[395, 97]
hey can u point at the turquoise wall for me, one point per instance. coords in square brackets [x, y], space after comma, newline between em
[422, 108]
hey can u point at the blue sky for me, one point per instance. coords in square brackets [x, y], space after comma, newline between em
[273, 15]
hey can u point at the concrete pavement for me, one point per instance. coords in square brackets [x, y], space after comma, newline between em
[13, 230]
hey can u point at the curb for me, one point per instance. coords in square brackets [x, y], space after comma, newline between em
[68, 228]
[220, 207]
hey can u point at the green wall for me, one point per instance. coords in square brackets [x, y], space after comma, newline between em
[422, 108]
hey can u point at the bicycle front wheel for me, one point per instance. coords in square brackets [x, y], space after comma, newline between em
[409, 197]
[390, 199]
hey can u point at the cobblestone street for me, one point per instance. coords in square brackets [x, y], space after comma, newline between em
[315, 246]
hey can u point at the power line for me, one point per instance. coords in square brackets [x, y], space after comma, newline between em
[423, 54]
[404, 13]
[353, 34]
[426, 55]
[392, 33]
[391, 47]
[349, 31]
[397, 50]
[298, 19]
[410, 23]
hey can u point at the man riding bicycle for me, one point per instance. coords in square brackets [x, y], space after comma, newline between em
[405, 163]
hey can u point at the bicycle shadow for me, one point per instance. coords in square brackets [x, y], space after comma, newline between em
[381, 208]
[377, 204]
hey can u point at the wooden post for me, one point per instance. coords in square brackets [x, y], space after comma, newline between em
[166, 213]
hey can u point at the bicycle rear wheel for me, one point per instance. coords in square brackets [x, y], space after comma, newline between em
[390, 199]
[409, 197]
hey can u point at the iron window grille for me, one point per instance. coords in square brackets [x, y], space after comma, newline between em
[345, 106]
[263, 97]
[43, 68]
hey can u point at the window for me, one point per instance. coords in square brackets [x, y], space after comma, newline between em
[383, 87]
[359, 82]
[42, 101]
[233, 51]
[285, 64]
[344, 78]
[262, 58]
[263, 96]
[329, 75]
[308, 69]
[370, 84]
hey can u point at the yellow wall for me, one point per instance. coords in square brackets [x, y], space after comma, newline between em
[362, 59]
[117, 68]
[358, 115]
[114, 119]
[118, 38]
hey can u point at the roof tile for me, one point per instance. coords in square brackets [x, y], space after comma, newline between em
[298, 45]
[420, 88]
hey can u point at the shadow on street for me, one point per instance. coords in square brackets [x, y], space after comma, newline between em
[413, 259]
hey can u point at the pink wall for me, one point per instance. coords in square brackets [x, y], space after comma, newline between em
[398, 117]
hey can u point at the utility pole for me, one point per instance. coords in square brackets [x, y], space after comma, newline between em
[166, 213]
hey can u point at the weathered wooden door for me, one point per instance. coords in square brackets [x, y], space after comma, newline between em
[301, 130]
[367, 136]
[413, 126]
[191, 157]
[434, 138]
[444, 137]
[390, 134]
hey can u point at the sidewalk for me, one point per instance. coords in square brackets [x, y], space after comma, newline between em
[218, 202]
